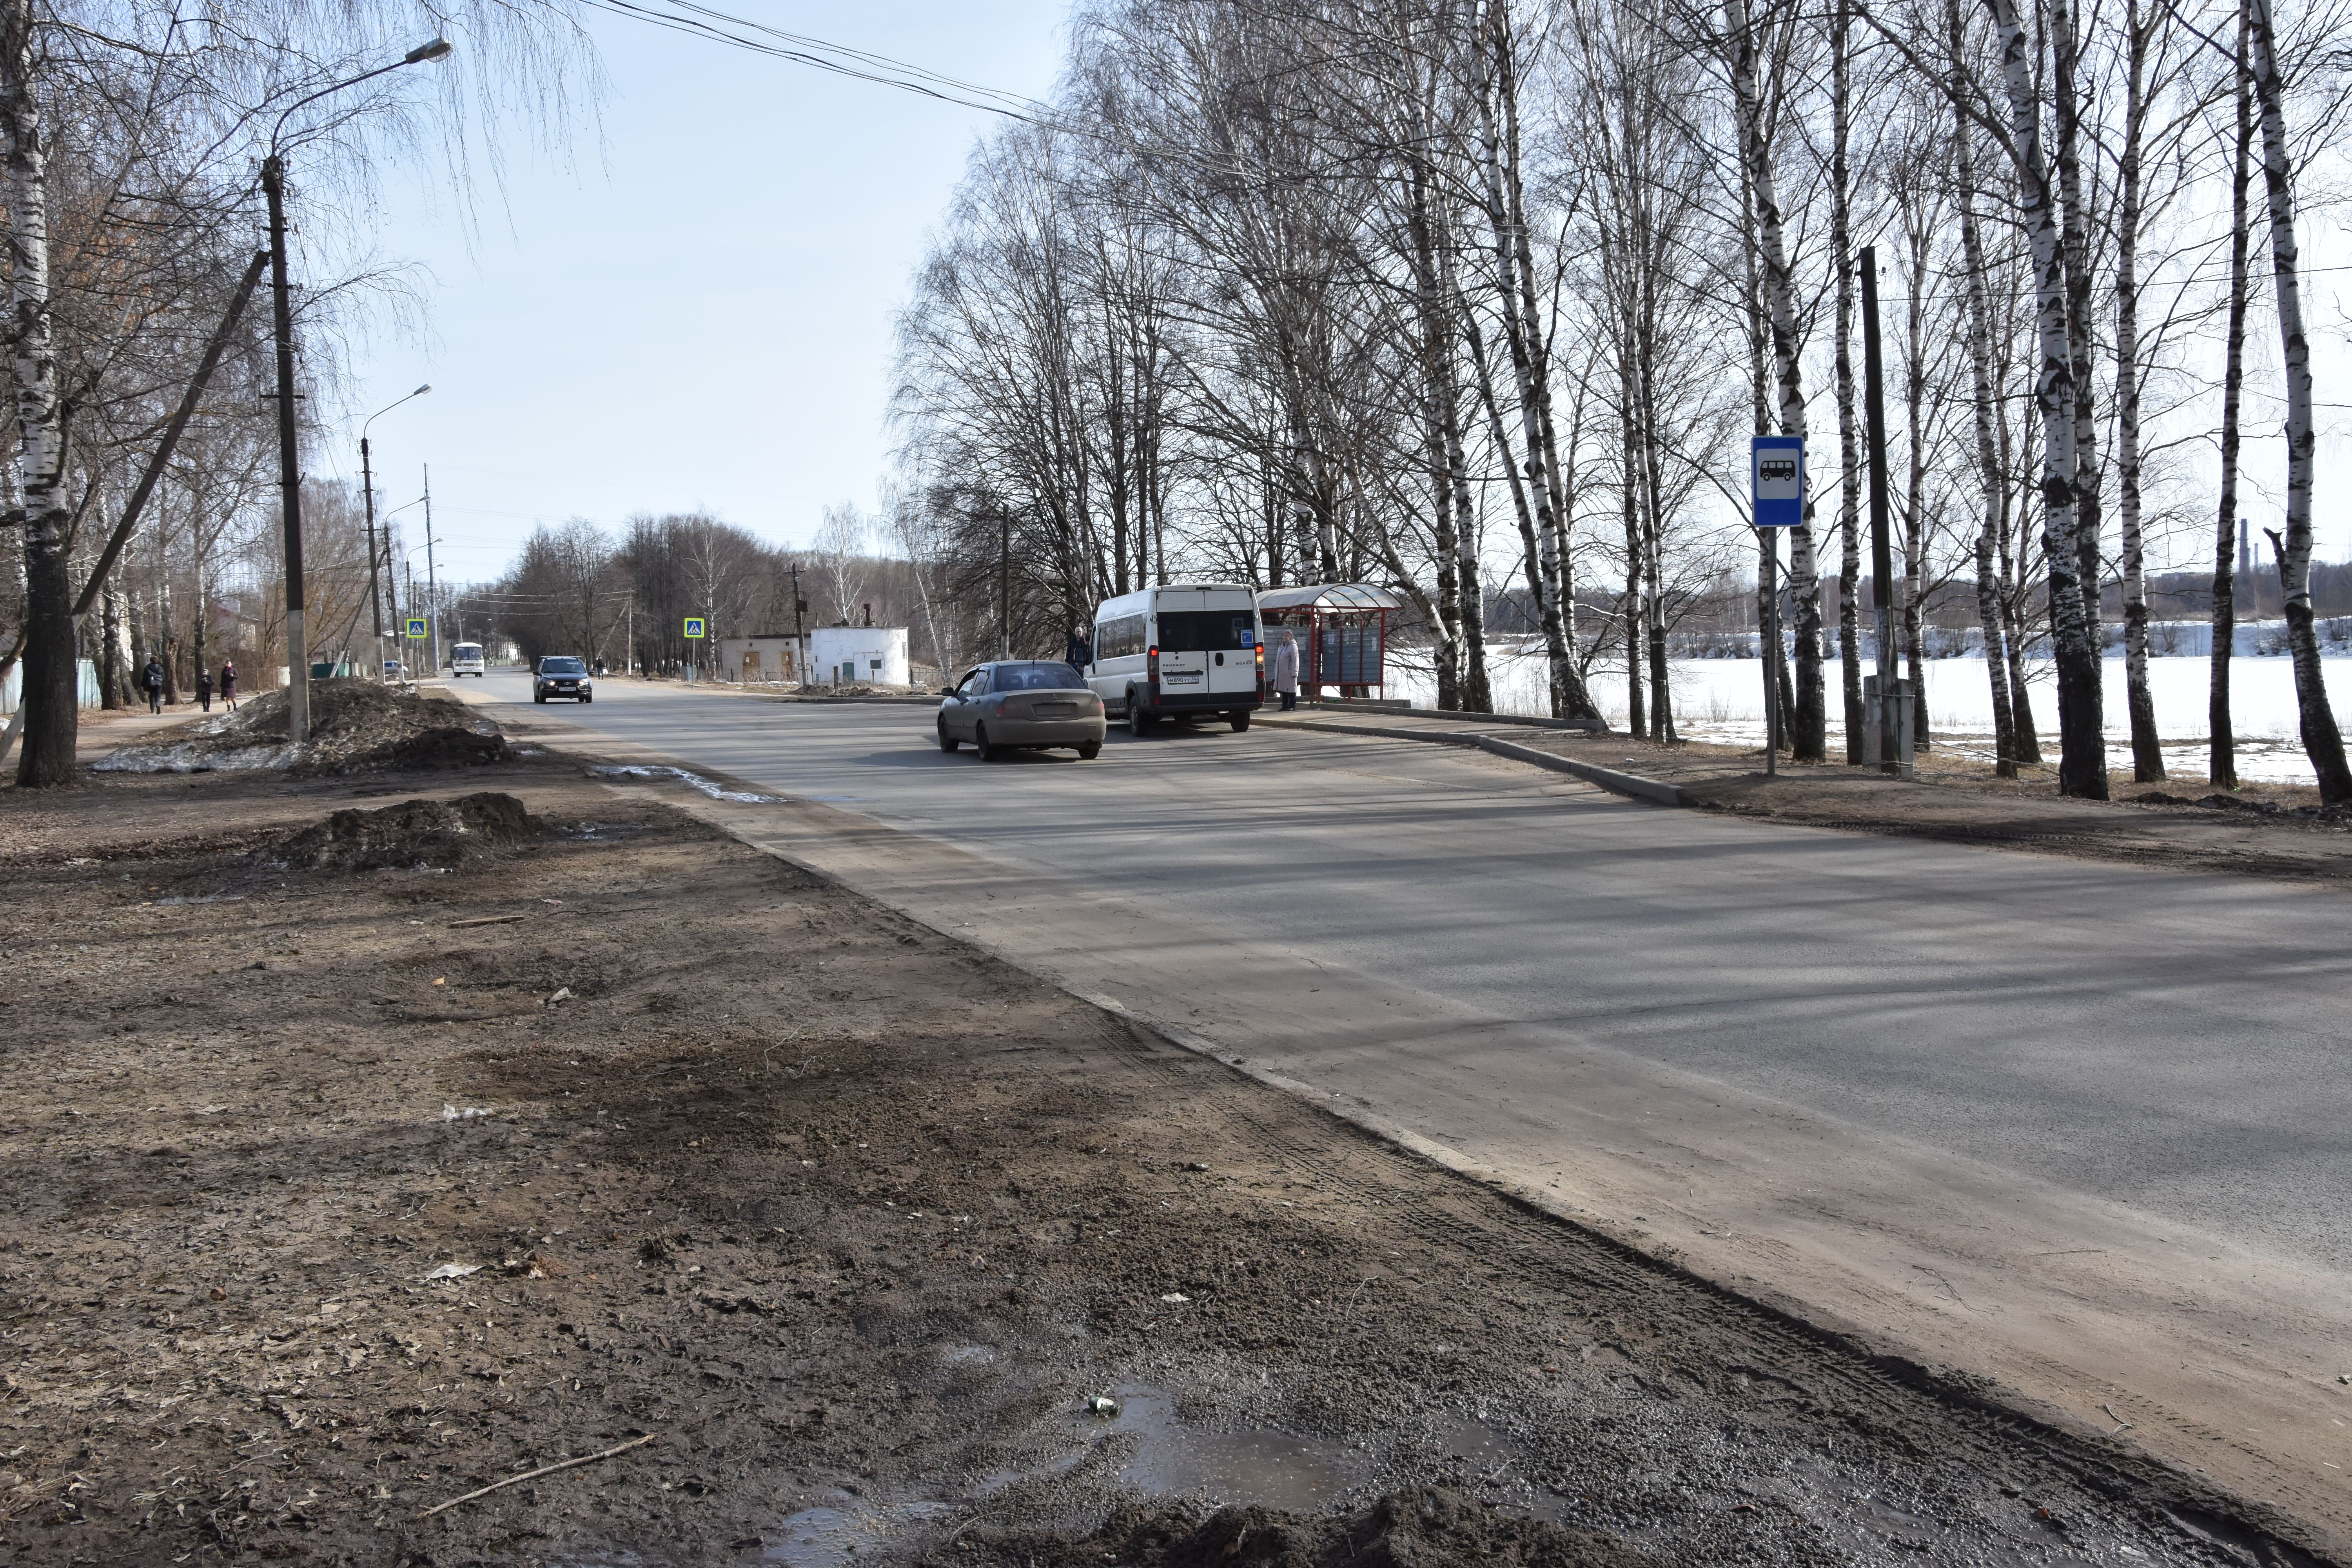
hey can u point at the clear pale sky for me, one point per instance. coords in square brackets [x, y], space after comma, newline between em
[700, 312]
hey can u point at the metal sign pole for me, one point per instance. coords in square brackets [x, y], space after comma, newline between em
[1776, 471]
[1769, 584]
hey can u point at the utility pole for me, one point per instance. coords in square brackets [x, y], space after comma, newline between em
[431, 582]
[800, 638]
[289, 473]
[1888, 718]
[376, 600]
[1005, 586]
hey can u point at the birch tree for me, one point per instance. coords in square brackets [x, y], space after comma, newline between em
[2321, 742]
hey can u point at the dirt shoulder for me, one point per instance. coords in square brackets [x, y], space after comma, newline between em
[349, 1173]
[2260, 829]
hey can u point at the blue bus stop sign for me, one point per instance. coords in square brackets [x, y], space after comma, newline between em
[1777, 468]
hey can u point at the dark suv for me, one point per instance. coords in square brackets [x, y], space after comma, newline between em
[561, 675]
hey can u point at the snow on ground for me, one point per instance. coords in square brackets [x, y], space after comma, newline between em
[1723, 700]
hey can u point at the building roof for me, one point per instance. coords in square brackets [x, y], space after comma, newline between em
[1330, 597]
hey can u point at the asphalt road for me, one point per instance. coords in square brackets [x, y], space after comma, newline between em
[2177, 1043]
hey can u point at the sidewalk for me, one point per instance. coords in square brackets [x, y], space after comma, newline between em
[1955, 797]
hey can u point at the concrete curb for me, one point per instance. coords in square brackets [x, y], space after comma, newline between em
[1609, 779]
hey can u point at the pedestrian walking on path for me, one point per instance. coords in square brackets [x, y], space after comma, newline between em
[205, 688]
[1285, 671]
[228, 685]
[151, 677]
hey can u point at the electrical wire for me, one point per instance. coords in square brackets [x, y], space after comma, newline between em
[862, 65]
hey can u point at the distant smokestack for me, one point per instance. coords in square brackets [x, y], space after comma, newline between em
[2245, 548]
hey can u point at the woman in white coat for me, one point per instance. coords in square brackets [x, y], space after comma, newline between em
[1285, 672]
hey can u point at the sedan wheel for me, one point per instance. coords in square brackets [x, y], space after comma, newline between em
[947, 742]
[979, 746]
[1089, 750]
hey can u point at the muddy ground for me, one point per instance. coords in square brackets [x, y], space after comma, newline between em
[348, 1173]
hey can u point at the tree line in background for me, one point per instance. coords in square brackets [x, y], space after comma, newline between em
[624, 595]
[137, 472]
[1482, 300]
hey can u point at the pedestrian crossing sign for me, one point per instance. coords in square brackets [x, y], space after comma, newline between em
[694, 626]
[417, 628]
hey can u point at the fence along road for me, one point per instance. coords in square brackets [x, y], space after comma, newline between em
[2080, 1126]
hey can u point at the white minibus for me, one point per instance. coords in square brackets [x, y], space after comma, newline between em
[1184, 650]
[466, 658]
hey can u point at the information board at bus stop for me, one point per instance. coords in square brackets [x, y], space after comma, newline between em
[1777, 471]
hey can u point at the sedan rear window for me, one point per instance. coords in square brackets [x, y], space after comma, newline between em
[1037, 677]
[561, 667]
[1206, 631]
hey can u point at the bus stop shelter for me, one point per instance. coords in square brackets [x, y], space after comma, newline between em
[1343, 630]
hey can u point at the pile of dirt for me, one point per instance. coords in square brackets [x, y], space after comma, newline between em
[1427, 1527]
[356, 726]
[416, 833]
[2251, 806]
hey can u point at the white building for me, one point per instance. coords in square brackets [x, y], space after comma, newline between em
[828, 655]
[861, 656]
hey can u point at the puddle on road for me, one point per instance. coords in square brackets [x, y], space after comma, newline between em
[1256, 1466]
[829, 1535]
[1260, 1465]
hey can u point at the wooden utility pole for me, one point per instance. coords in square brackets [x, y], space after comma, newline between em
[1882, 554]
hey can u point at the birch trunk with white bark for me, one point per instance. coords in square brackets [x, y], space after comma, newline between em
[1435, 299]
[1989, 615]
[2222, 750]
[49, 692]
[1629, 498]
[2082, 762]
[2322, 742]
[2147, 753]
[1810, 732]
[2075, 223]
[1849, 425]
[1522, 319]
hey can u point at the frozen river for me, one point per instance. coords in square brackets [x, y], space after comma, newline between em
[1723, 700]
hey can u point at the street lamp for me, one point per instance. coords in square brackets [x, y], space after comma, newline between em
[289, 471]
[367, 488]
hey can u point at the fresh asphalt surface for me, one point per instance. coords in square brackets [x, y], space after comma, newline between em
[2174, 1042]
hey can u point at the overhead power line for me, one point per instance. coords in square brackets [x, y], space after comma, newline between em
[862, 65]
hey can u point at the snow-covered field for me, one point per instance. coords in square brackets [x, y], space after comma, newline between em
[1723, 700]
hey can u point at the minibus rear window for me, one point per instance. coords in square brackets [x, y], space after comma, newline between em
[1206, 631]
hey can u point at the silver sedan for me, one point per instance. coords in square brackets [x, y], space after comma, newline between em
[1022, 704]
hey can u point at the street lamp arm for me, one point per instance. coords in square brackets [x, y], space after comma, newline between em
[432, 51]
[390, 406]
